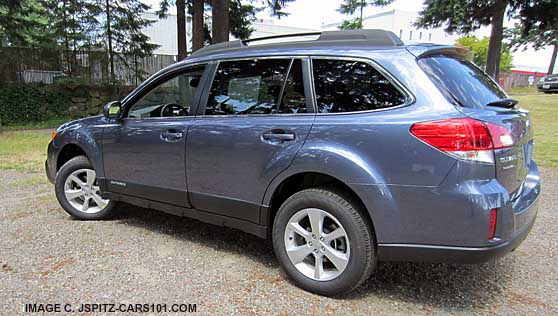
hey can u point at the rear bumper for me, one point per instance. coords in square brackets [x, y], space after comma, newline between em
[450, 254]
[552, 87]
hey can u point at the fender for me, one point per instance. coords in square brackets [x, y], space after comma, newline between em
[86, 134]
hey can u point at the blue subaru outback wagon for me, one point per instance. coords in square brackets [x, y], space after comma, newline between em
[346, 149]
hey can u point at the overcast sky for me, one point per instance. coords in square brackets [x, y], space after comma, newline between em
[314, 13]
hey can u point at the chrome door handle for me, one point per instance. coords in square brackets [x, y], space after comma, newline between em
[171, 136]
[276, 136]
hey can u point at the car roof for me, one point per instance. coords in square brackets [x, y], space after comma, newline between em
[370, 39]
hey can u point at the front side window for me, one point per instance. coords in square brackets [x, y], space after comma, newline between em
[351, 86]
[173, 97]
[247, 87]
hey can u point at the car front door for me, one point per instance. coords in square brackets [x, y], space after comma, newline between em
[253, 120]
[144, 152]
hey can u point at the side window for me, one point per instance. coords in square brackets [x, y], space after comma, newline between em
[173, 97]
[293, 100]
[247, 87]
[350, 86]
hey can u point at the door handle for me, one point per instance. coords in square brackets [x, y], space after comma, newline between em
[171, 136]
[278, 136]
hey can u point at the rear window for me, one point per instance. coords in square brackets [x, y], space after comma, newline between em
[461, 81]
[352, 86]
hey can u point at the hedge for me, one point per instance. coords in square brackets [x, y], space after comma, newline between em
[27, 103]
[31, 103]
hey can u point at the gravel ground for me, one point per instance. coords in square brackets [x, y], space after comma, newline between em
[144, 256]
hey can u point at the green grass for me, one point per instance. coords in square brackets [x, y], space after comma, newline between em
[26, 149]
[23, 150]
[544, 115]
[525, 90]
[52, 123]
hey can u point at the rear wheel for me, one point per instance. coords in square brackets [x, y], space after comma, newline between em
[323, 242]
[78, 192]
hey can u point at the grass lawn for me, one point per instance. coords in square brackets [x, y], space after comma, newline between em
[544, 115]
[23, 150]
[26, 149]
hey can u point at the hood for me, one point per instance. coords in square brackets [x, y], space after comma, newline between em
[90, 120]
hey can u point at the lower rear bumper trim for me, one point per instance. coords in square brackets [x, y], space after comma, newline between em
[450, 254]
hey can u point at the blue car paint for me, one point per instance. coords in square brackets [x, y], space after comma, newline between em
[424, 205]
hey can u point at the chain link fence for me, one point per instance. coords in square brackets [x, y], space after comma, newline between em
[41, 65]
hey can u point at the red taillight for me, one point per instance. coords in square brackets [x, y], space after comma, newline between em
[501, 136]
[492, 224]
[464, 138]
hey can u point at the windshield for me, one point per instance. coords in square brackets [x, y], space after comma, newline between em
[461, 81]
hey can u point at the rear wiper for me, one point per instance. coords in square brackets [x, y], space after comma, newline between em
[504, 103]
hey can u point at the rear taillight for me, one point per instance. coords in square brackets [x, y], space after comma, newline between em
[492, 224]
[464, 138]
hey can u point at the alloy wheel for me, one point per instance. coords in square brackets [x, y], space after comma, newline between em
[83, 193]
[317, 244]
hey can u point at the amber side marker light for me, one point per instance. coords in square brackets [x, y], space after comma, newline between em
[53, 135]
[492, 224]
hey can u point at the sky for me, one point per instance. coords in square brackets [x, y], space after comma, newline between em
[313, 13]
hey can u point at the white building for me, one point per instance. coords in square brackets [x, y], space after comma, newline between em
[163, 31]
[401, 23]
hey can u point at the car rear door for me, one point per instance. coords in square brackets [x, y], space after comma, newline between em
[254, 117]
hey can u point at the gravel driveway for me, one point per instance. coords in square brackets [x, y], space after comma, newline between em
[144, 256]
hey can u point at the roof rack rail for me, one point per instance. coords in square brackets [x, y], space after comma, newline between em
[372, 37]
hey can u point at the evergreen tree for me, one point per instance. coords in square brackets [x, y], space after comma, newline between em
[349, 7]
[122, 33]
[24, 23]
[73, 24]
[539, 28]
[538, 38]
[464, 16]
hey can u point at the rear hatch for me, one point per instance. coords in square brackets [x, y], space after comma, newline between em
[477, 96]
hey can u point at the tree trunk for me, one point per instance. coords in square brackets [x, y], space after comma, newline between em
[181, 27]
[496, 36]
[66, 39]
[109, 40]
[197, 25]
[220, 21]
[360, 21]
[553, 59]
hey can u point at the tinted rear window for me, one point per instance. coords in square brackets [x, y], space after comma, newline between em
[351, 86]
[461, 81]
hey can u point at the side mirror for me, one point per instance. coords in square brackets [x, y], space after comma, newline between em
[112, 110]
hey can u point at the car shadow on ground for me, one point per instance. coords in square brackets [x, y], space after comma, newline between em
[433, 285]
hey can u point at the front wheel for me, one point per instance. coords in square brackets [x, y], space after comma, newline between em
[78, 192]
[323, 242]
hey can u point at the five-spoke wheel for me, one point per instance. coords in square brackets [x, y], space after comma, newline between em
[323, 241]
[317, 244]
[77, 190]
[83, 193]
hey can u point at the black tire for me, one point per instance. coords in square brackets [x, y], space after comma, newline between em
[74, 164]
[362, 258]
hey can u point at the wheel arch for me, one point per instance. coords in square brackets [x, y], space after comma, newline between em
[68, 152]
[296, 182]
[79, 141]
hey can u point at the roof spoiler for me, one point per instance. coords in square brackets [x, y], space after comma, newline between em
[421, 51]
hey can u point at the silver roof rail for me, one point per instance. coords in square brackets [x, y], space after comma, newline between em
[372, 37]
